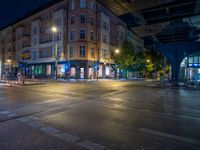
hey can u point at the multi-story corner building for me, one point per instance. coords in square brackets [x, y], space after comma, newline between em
[81, 46]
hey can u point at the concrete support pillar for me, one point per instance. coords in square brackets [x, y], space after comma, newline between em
[175, 71]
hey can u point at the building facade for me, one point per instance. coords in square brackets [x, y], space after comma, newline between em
[82, 46]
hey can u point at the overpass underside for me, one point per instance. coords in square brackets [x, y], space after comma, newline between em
[171, 27]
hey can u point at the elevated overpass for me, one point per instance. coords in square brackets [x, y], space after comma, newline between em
[171, 27]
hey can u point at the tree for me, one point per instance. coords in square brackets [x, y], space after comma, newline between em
[128, 59]
[156, 63]
[125, 59]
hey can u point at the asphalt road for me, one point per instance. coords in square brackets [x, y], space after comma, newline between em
[99, 116]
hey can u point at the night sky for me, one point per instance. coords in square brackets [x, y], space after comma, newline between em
[11, 10]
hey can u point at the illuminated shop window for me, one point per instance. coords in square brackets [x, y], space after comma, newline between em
[190, 60]
[73, 72]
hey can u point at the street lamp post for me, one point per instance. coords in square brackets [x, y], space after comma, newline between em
[54, 31]
[117, 51]
[68, 61]
[9, 64]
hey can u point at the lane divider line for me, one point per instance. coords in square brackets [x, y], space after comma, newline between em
[68, 137]
[53, 100]
[91, 146]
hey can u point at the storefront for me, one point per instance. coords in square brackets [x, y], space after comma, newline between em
[190, 68]
[76, 70]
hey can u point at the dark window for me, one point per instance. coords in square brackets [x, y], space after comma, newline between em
[57, 21]
[34, 30]
[105, 39]
[82, 34]
[105, 53]
[72, 35]
[82, 51]
[72, 20]
[92, 36]
[45, 53]
[57, 36]
[71, 52]
[92, 21]
[82, 18]
[34, 55]
[59, 52]
[92, 52]
[105, 25]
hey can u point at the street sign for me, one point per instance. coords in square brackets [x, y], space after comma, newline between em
[25, 55]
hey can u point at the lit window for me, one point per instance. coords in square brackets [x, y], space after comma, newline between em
[190, 60]
[83, 3]
[196, 59]
[73, 4]
[92, 6]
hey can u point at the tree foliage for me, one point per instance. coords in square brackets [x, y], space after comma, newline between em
[129, 59]
[126, 57]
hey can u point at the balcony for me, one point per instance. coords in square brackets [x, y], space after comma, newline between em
[26, 45]
[45, 41]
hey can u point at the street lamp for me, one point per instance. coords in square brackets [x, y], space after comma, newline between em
[148, 61]
[54, 31]
[8, 61]
[117, 51]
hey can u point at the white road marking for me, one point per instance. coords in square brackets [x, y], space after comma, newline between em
[113, 93]
[91, 146]
[11, 115]
[4, 112]
[53, 100]
[50, 130]
[68, 137]
[170, 136]
[24, 119]
[35, 124]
